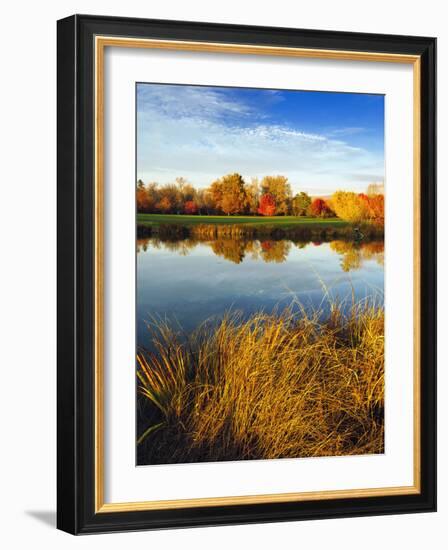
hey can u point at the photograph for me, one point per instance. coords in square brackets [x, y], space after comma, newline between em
[230, 293]
[260, 246]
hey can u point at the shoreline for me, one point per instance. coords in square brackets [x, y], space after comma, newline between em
[300, 231]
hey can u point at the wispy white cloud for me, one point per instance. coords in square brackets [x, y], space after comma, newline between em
[190, 101]
[350, 131]
[203, 133]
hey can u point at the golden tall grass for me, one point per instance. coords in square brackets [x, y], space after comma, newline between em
[271, 386]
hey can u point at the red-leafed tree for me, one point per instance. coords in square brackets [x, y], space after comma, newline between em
[267, 205]
[190, 207]
[320, 209]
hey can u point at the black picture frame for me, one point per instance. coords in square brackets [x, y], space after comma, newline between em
[76, 268]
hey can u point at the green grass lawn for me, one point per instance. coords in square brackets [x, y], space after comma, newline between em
[278, 221]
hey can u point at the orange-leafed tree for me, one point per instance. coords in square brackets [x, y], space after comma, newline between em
[164, 205]
[267, 205]
[376, 208]
[229, 194]
[234, 198]
[142, 200]
[146, 196]
[190, 207]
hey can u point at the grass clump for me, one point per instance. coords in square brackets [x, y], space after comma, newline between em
[277, 385]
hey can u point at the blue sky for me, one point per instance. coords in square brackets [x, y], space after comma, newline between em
[322, 141]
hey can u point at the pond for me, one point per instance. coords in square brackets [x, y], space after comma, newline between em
[189, 281]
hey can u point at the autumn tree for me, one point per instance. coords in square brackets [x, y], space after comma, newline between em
[186, 191]
[170, 197]
[142, 200]
[146, 197]
[229, 194]
[164, 205]
[234, 200]
[215, 192]
[280, 189]
[153, 197]
[375, 207]
[319, 208]
[205, 201]
[300, 204]
[172, 194]
[267, 205]
[190, 207]
[350, 206]
[253, 195]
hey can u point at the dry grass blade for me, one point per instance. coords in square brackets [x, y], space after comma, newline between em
[269, 386]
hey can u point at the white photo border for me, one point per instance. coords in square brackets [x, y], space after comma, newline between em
[124, 482]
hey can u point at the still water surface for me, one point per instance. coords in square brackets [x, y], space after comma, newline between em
[189, 281]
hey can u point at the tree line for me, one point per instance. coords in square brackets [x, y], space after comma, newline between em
[272, 196]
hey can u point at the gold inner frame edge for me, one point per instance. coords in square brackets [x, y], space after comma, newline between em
[101, 42]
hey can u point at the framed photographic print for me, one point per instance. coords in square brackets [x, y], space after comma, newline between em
[247, 274]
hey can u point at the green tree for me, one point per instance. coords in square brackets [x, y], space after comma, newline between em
[300, 204]
[280, 189]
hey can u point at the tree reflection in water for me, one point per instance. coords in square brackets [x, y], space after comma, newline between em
[352, 254]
